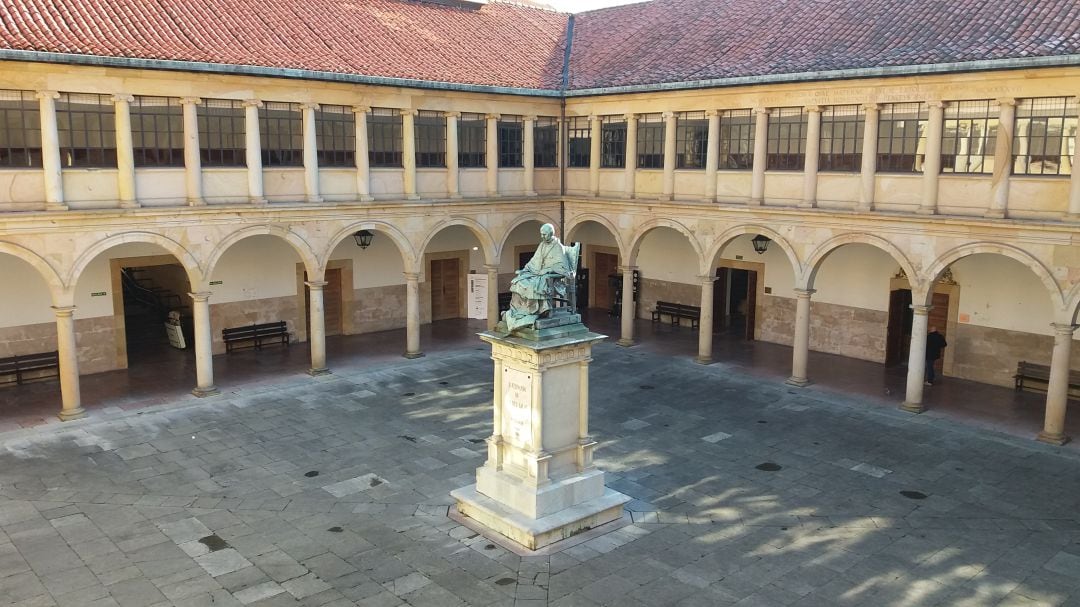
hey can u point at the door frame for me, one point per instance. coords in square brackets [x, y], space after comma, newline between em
[116, 284]
[347, 297]
[953, 291]
[590, 262]
[463, 282]
[759, 292]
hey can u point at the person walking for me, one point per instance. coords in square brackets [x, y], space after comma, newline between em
[935, 343]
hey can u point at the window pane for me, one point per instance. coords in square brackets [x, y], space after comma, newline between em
[736, 139]
[20, 130]
[691, 140]
[612, 142]
[511, 134]
[157, 131]
[786, 139]
[1045, 137]
[335, 136]
[968, 137]
[384, 138]
[221, 133]
[472, 144]
[650, 141]
[430, 139]
[87, 130]
[902, 137]
[579, 142]
[842, 129]
[546, 143]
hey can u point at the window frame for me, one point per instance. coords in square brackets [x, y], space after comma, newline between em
[891, 160]
[686, 124]
[156, 156]
[510, 136]
[386, 145]
[1064, 119]
[429, 133]
[335, 136]
[613, 131]
[852, 128]
[955, 120]
[578, 142]
[650, 141]
[546, 142]
[733, 130]
[20, 122]
[472, 141]
[281, 135]
[786, 139]
[219, 112]
[100, 156]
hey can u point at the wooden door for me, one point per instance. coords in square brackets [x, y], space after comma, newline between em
[721, 314]
[751, 303]
[331, 303]
[605, 265]
[939, 318]
[445, 276]
[894, 336]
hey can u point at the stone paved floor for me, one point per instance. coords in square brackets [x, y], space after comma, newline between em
[334, 491]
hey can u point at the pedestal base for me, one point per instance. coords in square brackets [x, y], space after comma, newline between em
[798, 382]
[539, 532]
[912, 407]
[67, 415]
[204, 392]
[1052, 439]
[317, 372]
[411, 355]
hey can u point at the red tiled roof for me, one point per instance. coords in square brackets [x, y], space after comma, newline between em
[688, 40]
[496, 44]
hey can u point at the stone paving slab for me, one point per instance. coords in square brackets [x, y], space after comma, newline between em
[335, 491]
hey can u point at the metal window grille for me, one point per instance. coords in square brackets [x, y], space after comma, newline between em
[579, 142]
[335, 136]
[841, 141]
[691, 140]
[612, 142]
[511, 135]
[221, 133]
[736, 139]
[902, 137]
[385, 138]
[969, 135]
[472, 141]
[1045, 137]
[20, 130]
[546, 143]
[281, 134]
[157, 132]
[86, 125]
[786, 150]
[650, 141]
[430, 139]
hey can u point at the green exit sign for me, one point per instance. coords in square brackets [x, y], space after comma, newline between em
[98, 294]
[215, 282]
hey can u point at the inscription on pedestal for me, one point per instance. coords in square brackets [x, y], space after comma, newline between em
[517, 407]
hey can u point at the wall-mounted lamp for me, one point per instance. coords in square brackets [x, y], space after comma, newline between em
[363, 239]
[761, 244]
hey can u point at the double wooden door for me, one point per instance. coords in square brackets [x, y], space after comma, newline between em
[898, 336]
[604, 265]
[445, 278]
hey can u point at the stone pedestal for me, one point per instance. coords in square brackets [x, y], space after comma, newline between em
[539, 484]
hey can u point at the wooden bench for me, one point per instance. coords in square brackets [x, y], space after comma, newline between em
[677, 312]
[29, 367]
[1026, 372]
[254, 336]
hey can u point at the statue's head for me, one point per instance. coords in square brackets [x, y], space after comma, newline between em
[547, 232]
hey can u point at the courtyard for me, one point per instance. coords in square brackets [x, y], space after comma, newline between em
[334, 491]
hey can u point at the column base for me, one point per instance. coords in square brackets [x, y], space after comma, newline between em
[411, 355]
[54, 206]
[993, 214]
[455, 196]
[204, 392]
[366, 198]
[864, 208]
[926, 211]
[1072, 217]
[530, 193]
[912, 407]
[130, 204]
[703, 360]
[196, 202]
[798, 382]
[709, 199]
[412, 197]
[314, 199]
[626, 343]
[1052, 439]
[259, 201]
[807, 204]
[318, 372]
[756, 202]
[67, 415]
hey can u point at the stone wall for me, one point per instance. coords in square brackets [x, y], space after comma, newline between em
[845, 330]
[652, 290]
[379, 308]
[96, 339]
[990, 355]
[254, 311]
[27, 339]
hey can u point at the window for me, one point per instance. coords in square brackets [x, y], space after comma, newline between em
[737, 139]
[335, 136]
[786, 139]
[20, 130]
[612, 142]
[472, 150]
[1045, 136]
[579, 142]
[281, 134]
[546, 143]
[221, 133]
[969, 136]
[384, 138]
[430, 139]
[902, 137]
[511, 135]
[157, 132]
[691, 140]
[842, 129]
[650, 141]
[87, 128]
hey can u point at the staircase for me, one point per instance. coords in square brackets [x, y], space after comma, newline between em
[146, 307]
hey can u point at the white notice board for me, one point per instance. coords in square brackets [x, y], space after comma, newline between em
[478, 296]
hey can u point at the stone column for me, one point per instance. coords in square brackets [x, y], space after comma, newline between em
[712, 155]
[705, 323]
[627, 316]
[867, 175]
[1074, 181]
[408, 152]
[1057, 389]
[204, 354]
[932, 162]
[669, 155]
[253, 148]
[50, 152]
[192, 156]
[761, 151]
[801, 344]
[1003, 161]
[452, 188]
[125, 152]
[311, 153]
[492, 142]
[412, 315]
[68, 356]
[594, 155]
[527, 155]
[630, 177]
[492, 295]
[810, 164]
[317, 331]
[916, 370]
[363, 167]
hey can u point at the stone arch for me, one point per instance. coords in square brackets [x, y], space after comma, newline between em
[1072, 308]
[1057, 298]
[722, 241]
[487, 243]
[301, 246]
[652, 224]
[813, 263]
[576, 221]
[404, 247]
[44, 268]
[187, 260]
[519, 220]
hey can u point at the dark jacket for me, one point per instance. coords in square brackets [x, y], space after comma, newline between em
[935, 343]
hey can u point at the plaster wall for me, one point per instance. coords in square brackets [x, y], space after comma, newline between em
[90, 188]
[577, 181]
[512, 182]
[837, 190]
[387, 183]
[24, 293]
[783, 188]
[255, 268]
[24, 190]
[160, 187]
[689, 184]
[431, 183]
[224, 186]
[666, 255]
[337, 184]
[472, 182]
[283, 184]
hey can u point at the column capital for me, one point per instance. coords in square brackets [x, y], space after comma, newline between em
[529, 118]
[804, 293]
[920, 309]
[711, 113]
[630, 117]
[491, 267]
[122, 98]
[316, 285]
[871, 107]
[408, 111]
[252, 103]
[813, 109]
[200, 296]
[707, 278]
[1006, 101]
[190, 101]
[492, 116]
[668, 115]
[935, 103]
[412, 276]
[63, 311]
[361, 109]
[762, 110]
[1063, 328]
[47, 95]
[452, 114]
[594, 118]
[625, 269]
[309, 105]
